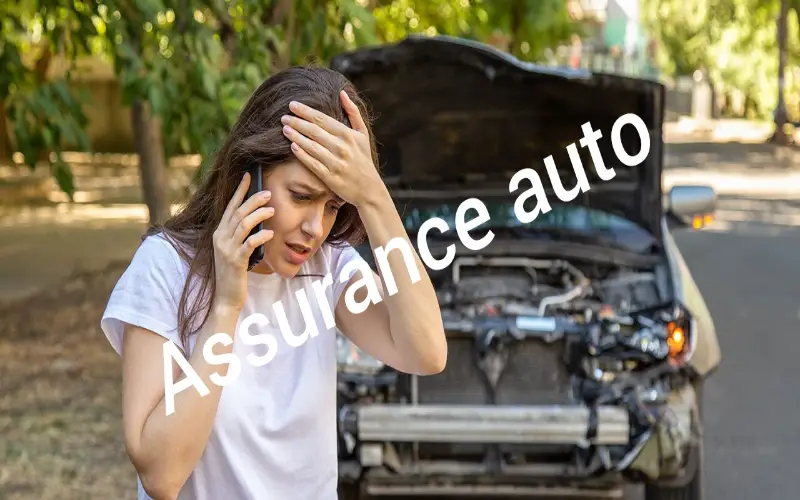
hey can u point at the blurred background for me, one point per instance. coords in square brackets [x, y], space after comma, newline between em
[113, 107]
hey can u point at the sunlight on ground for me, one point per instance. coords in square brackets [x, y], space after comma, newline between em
[82, 213]
[76, 158]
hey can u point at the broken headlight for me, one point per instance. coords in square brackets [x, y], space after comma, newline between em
[666, 333]
[351, 359]
[637, 340]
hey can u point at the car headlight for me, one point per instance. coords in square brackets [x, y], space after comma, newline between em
[352, 359]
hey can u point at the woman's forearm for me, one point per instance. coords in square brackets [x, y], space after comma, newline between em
[415, 318]
[171, 445]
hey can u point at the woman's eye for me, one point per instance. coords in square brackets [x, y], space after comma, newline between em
[300, 197]
[333, 208]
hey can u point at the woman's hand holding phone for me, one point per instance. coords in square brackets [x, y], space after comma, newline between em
[233, 246]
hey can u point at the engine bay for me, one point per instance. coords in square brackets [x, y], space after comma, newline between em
[620, 315]
[619, 335]
[545, 287]
[625, 340]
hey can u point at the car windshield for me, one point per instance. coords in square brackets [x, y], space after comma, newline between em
[563, 221]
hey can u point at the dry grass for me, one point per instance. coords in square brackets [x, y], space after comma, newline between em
[60, 396]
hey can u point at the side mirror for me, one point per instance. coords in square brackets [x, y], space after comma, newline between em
[690, 206]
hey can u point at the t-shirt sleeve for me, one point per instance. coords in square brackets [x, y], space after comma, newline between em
[342, 259]
[147, 294]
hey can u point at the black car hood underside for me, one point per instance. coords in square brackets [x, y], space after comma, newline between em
[450, 114]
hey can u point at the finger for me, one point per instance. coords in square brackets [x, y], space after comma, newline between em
[244, 210]
[314, 132]
[253, 242]
[316, 166]
[248, 223]
[356, 120]
[311, 147]
[328, 123]
[236, 199]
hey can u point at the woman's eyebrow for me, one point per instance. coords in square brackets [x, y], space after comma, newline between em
[316, 193]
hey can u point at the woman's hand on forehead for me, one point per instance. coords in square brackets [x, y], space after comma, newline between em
[339, 155]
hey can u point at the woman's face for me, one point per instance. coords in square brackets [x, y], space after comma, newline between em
[305, 210]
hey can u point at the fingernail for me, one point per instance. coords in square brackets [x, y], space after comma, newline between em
[285, 119]
[295, 147]
[293, 105]
[287, 129]
[266, 194]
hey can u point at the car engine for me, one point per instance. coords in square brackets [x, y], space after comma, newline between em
[542, 288]
[524, 331]
[611, 320]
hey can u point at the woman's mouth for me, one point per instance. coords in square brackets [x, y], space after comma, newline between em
[297, 254]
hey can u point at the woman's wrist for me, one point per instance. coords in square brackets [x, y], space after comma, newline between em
[375, 198]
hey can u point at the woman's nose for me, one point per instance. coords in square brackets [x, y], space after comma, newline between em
[312, 224]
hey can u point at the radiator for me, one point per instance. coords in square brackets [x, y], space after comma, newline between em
[534, 375]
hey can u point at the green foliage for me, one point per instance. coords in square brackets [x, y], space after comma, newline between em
[735, 41]
[195, 62]
[532, 25]
[45, 114]
[535, 25]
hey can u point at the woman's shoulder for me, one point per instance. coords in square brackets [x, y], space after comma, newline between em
[157, 259]
[148, 292]
[158, 250]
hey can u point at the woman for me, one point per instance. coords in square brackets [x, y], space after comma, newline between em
[269, 432]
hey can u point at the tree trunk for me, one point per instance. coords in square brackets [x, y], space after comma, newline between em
[780, 137]
[517, 15]
[152, 166]
[6, 146]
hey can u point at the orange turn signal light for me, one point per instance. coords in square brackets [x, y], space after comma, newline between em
[700, 221]
[676, 340]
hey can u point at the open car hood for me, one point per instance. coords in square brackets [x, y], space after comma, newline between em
[456, 116]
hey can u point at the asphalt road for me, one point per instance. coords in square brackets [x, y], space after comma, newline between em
[747, 269]
[745, 265]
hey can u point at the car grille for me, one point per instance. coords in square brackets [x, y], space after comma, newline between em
[534, 375]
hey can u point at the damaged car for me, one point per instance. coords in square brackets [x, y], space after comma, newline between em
[578, 341]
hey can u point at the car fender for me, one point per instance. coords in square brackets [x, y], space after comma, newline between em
[707, 354]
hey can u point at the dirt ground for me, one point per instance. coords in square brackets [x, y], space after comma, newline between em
[60, 396]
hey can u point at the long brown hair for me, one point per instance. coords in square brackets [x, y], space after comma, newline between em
[255, 137]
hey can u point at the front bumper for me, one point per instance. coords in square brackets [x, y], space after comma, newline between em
[488, 424]
[618, 442]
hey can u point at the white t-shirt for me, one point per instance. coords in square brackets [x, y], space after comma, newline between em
[274, 436]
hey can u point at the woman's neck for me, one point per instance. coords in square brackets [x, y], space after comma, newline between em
[262, 268]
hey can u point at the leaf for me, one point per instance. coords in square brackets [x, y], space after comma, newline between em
[63, 175]
[208, 85]
[156, 97]
[252, 74]
[47, 135]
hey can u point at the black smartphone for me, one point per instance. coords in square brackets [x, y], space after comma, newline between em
[256, 186]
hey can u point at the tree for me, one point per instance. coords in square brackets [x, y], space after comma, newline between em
[186, 67]
[735, 42]
[781, 118]
[45, 116]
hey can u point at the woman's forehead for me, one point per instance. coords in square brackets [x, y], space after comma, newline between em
[297, 175]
